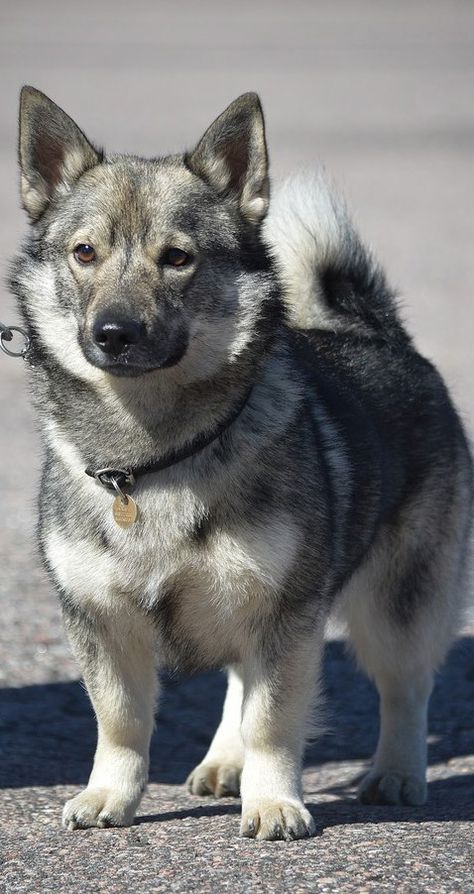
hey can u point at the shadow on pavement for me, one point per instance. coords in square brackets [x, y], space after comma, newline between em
[48, 736]
[449, 800]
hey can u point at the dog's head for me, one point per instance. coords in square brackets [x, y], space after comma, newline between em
[136, 265]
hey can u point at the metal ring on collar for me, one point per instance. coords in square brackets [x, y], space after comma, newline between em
[120, 492]
[6, 334]
[110, 478]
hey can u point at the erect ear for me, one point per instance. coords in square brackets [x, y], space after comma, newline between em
[232, 156]
[53, 151]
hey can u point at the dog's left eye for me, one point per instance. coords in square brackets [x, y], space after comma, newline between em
[84, 253]
[175, 257]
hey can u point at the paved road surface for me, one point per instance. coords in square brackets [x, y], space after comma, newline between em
[383, 93]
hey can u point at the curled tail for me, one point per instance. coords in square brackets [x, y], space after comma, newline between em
[331, 279]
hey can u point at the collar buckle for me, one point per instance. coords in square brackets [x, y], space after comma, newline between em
[113, 479]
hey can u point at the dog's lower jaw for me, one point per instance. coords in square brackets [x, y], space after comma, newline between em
[122, 370]
[130, 363]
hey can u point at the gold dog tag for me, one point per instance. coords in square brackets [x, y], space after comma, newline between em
[125, 513]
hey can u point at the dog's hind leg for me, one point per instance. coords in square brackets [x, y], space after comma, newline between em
[398, 773]
[219, 772]
[117, 657]
[403, 609]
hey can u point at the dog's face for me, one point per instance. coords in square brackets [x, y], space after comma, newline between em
[141, 265]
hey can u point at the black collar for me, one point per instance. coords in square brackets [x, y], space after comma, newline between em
[117, 479]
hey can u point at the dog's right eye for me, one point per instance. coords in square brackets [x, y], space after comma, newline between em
[84, 253]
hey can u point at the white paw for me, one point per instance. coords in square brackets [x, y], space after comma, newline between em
[221, 780]
[271, 820]
[98, 807]
[380, 787]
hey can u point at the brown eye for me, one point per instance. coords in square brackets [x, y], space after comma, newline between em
[176, 257]
[84, 253]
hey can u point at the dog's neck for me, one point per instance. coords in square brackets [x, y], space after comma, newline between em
[126, 422]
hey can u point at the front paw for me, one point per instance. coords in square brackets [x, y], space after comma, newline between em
[102, 807]
[221, 780]
[280, 819]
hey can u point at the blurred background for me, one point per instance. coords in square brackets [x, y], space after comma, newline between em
[380, 92]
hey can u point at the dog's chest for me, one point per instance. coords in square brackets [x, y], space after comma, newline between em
[200, 578]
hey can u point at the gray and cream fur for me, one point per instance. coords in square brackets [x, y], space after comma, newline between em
[160, 296]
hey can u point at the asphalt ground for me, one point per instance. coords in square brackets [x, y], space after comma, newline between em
[382, 93]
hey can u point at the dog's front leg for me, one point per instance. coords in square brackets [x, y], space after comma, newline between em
[279, 688]
[118, 663]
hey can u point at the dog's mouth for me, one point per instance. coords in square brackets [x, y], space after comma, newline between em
[124, 368]
[124, 354]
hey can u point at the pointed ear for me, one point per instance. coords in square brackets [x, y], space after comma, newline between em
[232, 156]
[53, 151]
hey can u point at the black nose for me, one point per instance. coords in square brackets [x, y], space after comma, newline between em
[113, 335]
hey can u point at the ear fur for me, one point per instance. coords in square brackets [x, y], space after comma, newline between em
[232, 156]
[53, 151]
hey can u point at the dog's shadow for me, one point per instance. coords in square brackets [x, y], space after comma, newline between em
[48, 737]
[450, 800]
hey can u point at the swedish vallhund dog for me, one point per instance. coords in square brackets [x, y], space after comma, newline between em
[240, 438]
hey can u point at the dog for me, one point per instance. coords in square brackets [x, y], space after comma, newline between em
[240, 439]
